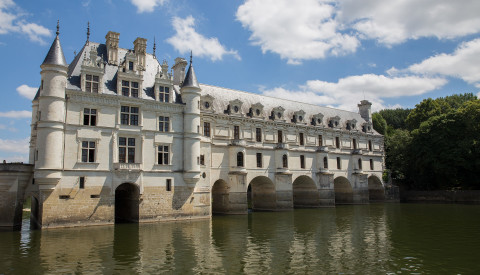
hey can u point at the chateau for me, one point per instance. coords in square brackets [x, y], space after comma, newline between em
[118, 136]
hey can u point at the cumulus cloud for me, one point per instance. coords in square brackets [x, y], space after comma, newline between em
[12, 21]
[462, 63]
[347, 92]
[147, 5]
[16, 114]
[186, 39]
[14, 146]
[27, 91]
[319, 28]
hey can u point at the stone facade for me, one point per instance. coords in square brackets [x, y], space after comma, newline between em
[115, 137]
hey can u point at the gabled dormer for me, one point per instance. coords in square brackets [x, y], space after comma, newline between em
[299, 117]
[256, 110]
[367, 127]
[130, 77]
[235, 107]
[92, 69]
[351, 124]
[334, 122]
[278, 113]
[317, 119]
[163, 85]
[206, 103]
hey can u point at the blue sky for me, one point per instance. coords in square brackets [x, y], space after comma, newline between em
[334, 53]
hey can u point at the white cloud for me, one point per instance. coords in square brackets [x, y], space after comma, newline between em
[187, 39]
[16, 114]
[27, 91]
[11, 20]
[147, 5]
[347, 92]
[315, 29]
[14, 146]
[462, 63]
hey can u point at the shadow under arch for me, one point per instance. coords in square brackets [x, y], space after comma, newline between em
[34, 213]
[220, 197]
[263, 196]
[343, 191]
[127, 203]
[376, 191]
[305, 192]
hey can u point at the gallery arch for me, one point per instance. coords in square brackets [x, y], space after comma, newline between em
[220, 197]
[376, 191]
[262, 195]
[343, 191]
[305, 192]
[127, 200]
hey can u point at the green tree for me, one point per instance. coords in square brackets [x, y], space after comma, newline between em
[379, 123]
[395, 117]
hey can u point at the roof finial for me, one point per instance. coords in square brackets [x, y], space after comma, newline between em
[191, 57]
[154, 47]
[88, 32]
[58, 27]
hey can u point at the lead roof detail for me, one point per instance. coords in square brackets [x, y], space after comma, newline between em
[191, 78]
[55, 54]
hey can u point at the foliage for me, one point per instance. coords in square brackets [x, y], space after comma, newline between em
[395, 118]
[379, 123]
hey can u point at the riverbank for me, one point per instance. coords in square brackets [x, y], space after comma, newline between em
[441, 196]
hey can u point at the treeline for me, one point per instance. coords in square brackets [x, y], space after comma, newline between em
[436, 145]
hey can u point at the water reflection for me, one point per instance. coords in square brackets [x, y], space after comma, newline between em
[346, 239]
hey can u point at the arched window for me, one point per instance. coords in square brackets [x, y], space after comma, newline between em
[360, 164]
[240, 159]
[285, 161]
[325, 162]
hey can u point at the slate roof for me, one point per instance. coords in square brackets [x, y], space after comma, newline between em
[55, 54]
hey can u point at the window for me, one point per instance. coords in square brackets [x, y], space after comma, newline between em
[126, 150]
[320, 140]
[91, 83]
[259, 160]
[360, 164]
[339, 163]
[258, 136]
[129, 88]
[301, 138]
[280, 136]
[168, 186]
[371, 164]
[337, 142]
[240, 159]
[163, 123]
[130, 65]
[88, 151]
[202, 159]
[81, 183]
[354, 141]
[164, 95]
[302, 161]
[90, 117]
[285, 161]
[163, 155]
[129, 115]
[206, 129]
[236, 132]
[325, 162]
[370, 145]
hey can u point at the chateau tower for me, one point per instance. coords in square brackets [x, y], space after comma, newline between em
[365, 109]
[191, 92]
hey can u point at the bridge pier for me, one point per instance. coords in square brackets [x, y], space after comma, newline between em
[326, 190]
[14, 179]
[360, 189]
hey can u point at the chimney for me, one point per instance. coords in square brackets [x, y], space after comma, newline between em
[140, 48]
[365, 109]
[179, 70]
[112, 47]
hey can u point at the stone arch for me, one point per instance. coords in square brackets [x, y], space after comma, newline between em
[220, 197]
[263, 195]
[343, 191]
[305, 192]
[127, 203]
[376, 190]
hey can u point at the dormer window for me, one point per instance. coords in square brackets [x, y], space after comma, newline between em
[235, 107]
[129, 88]
[91, 83]
[298, 117]
[277, 113]
[130, 65]
[334, 122]
[257, 110]
[317, 119]
[207, 103]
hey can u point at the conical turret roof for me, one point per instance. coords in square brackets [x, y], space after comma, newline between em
[191, 78]
[55, 54]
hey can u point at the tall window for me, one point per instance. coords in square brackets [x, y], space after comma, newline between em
[320, 140]
[280, 136]
[360, 164]
[371, 164]
[202, 159]
[88, 151]
[168, 186]
[236, 132]
[301, 138]
[370, 145]
[126, 150]
[325, 162]
[90, 117]
[130, 65]
[259, 160]
[354, 141]
[129, 88]
[302, 161]
[285, 161]
[240, 159]
[339, 163]
[81, 182]
[163, 123]
[129, 115]
[163, 155]
[337, 142]
[206, 129]
[164, 95]
[91, 83]
[258, 134]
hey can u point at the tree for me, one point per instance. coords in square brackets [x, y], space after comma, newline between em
[379, 123]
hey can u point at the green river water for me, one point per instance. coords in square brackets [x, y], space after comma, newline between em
[361, 239]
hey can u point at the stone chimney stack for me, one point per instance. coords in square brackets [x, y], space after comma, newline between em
[179, 70]
[112, 47]
[140, 48]
[165, 69]
[365, 109]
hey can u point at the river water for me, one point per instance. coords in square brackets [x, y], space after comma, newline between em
[361, 239]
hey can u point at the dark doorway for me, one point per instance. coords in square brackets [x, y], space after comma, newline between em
[34, 214]
[127, 203]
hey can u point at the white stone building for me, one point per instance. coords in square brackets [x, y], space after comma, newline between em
[117, 138]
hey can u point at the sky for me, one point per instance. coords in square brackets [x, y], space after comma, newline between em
[327, 52]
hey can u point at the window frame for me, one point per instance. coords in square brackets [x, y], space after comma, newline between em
[88, 151]
[259, 160]
[372, 166]
[240, 159]
[162, 155]
[88, 117]
[236, 132]
[258, 134]
[285, 161]
[129, 116]
[206, 129]
[90, 83]
[301, 139]
[339, 163]
[302, 161]
[164, 124]
[130, 88]
[163, 93]
[128, 147]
